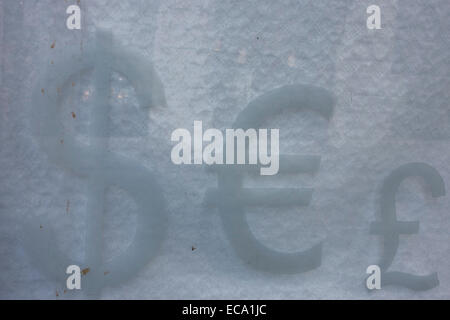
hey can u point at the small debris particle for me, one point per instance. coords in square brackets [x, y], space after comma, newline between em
[40, 227]
[106, 272]
[86, 95]
[193, 248]
[65, 290]
[257, 38]
[53, 45]
[78, 1]
[42, 90]
[51, 62]
[85, 271]
[73, 84]
[62, 141]
[57, 294]
[74, 115]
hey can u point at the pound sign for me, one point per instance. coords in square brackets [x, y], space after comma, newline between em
[390, 228]
[231, 198]
[99, 167]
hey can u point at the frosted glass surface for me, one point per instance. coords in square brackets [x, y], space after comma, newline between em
[86, 174]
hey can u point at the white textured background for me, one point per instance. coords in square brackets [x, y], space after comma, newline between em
[214, 57]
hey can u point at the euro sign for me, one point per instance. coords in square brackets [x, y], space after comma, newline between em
[99, 167]
[231, 198]
[390, 228]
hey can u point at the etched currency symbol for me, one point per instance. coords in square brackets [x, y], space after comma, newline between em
[390, 228]
[99, 167]
[231, 198]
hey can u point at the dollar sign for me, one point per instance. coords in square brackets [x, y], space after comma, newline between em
[231, 198]
[390, 228]
[100, 168]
